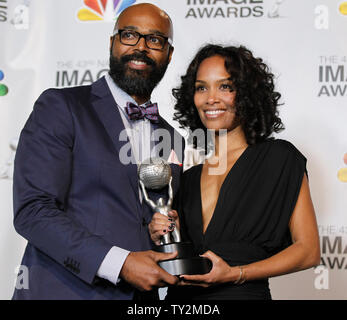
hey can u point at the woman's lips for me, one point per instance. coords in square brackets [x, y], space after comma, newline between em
[212, 114]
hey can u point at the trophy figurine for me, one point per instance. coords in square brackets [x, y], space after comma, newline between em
[155, 174]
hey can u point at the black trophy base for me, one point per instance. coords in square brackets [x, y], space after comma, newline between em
[187, 260]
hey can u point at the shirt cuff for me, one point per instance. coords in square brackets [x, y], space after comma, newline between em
[112, 264]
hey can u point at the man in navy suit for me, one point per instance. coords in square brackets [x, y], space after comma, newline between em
[76, 194]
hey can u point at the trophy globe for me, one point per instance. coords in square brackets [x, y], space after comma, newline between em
[155, 174]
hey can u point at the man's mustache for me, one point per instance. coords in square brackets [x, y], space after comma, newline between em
[138, 56]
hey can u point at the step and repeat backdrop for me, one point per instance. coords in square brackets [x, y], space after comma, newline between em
[50, 43]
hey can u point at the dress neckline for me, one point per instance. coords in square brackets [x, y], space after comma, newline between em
[227, 177]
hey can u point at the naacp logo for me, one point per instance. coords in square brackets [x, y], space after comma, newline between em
[240, 9]
[334, 250]
[102, 10]
[79, 73]
[332, 76]
[224, 9]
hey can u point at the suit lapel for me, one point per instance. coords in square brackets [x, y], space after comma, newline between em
[108, 113]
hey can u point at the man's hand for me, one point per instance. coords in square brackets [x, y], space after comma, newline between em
[141, 270]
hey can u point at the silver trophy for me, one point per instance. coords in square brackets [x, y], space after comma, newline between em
[155, 174]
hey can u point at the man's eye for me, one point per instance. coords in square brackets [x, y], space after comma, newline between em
[128, 35]
[156, 40]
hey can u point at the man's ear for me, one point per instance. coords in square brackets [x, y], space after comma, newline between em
[111, 42]
[171, 50]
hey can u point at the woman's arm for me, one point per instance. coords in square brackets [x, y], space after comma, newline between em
[303, 253]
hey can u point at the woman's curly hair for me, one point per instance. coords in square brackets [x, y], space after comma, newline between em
[256, 101]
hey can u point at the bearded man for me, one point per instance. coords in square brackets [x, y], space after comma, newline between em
[76, 197]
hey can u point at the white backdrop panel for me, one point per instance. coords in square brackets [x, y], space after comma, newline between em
[45, 44]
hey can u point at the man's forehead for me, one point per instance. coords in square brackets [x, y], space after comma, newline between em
[145, 20]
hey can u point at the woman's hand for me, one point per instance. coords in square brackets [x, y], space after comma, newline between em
[221, 272]
[162, 224]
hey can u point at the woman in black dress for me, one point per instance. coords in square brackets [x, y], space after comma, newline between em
[249, 210]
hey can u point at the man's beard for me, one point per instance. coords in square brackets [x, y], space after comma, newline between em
[136, 82]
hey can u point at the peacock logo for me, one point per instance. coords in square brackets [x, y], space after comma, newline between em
[102, 10]
[342, 174]
[3, 88]
[343, 8]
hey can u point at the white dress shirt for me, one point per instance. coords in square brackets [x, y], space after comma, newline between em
[139, 133]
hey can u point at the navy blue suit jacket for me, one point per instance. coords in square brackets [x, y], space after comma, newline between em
[73, 198]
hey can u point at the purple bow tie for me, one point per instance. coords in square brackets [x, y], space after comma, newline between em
[135, 112]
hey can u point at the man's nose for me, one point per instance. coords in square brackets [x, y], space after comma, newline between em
[141, 45]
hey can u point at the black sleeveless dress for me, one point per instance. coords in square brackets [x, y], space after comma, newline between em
[251, 218]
